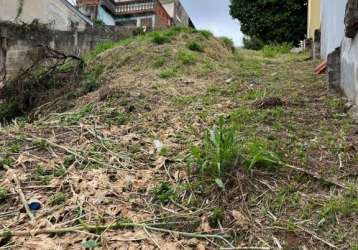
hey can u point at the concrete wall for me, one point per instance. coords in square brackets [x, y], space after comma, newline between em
[58, 14]
[314, 17]
[349, 68]
[19, 43]
[332, 25]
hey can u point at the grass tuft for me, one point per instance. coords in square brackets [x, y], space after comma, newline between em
[273, 50]
[195, 46]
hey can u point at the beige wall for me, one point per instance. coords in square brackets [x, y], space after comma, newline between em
[52, 12]
[314, 17]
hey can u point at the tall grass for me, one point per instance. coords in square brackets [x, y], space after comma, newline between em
[276, 49]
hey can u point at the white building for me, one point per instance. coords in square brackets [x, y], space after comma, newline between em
[58, 14]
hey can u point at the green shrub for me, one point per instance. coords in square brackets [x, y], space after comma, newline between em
[168, 73]
[186, 57]
[275, 49]
[160, 38]
[195, 46]
[228, 43]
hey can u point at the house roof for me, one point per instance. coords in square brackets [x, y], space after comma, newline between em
[77, 12]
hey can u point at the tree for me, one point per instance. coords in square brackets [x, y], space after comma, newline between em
[272, 21]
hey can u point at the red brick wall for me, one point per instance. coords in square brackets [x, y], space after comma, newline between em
[164, 19]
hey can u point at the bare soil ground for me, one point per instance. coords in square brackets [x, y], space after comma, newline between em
[112, 172]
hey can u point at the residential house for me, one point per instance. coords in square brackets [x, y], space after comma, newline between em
[58, 14]
[139, 13]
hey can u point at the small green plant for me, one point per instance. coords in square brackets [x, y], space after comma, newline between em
[186, 57]
[168, 73]
[195, 46]
[5, 162]
[273, 50]
[256, 153]
[339, 206]
[217, 217]
[219, 153]
[4, 194]
[57, 199]
[164, 192]
[158, 62]
[160, 38]
[90, 244]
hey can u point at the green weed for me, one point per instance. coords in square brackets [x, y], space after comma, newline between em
[4, 194]
[57, 199]
[275, 49]
[195, 46]
[217, 217]
[341, 206]
[158, 62]
[219, 153]
[186, 57]
[168, 73]
[5, 162]
[164, 192]
[160, 38]
[256, 152]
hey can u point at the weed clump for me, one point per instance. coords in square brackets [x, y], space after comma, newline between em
[274, 50]
[195, 46]
[219, 153]
[160, 38]
[186, 57]
[164, 192]
[57, 199]
[168, 73]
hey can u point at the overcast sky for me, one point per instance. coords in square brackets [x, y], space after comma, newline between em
[213, 15]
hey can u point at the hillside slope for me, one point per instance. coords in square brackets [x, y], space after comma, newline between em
[133, 164]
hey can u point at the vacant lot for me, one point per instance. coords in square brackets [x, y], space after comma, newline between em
[181, 143]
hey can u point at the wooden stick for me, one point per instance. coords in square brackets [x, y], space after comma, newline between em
[21, 195]
[22, 198]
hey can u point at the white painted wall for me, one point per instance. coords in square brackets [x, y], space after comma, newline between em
[349, 68]
[52, 12]
[332, 25]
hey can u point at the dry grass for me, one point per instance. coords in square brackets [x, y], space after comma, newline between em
[124, 189]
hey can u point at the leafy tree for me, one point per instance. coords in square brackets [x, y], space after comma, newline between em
[272, 21]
